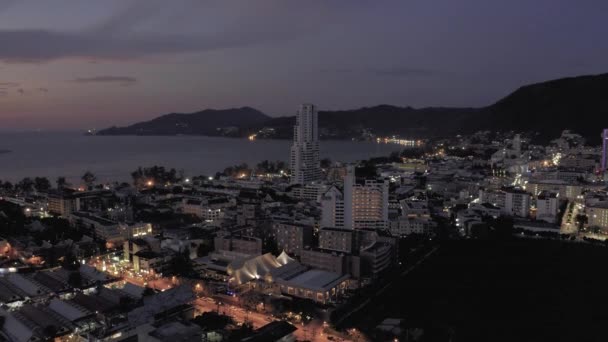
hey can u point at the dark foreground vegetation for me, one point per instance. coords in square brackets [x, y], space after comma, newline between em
[501, 290]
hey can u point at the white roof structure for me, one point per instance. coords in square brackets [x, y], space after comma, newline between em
[284, 259]
[245, 270]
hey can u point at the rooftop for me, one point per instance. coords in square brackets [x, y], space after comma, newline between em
[273, 331]
[318, 280]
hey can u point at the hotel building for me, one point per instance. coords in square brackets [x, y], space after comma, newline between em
[304, 161]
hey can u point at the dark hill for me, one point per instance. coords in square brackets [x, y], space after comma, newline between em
[576, 103]
[205, 122]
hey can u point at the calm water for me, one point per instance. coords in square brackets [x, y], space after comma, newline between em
[114, 158]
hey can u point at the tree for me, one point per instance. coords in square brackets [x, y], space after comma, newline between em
[269, 245]
[25, 185]
[394, 157]
[70, 262]
[7, 186]
[212, 321]
[581, 220]
[325, 163]
[245, 330]
[42, 184]
[125, 302]
[181, 265]
[62, 183]
[89, 179]
[155, 174]
[148, 292]
[502, 227]
[203, 250]
[50, 331]
[75, 279]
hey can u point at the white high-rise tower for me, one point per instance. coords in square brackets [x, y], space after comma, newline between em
[304, 161]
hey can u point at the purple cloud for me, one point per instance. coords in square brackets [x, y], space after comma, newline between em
[130, 34]
[122, 80]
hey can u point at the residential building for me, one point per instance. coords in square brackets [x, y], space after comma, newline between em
[332, 208]
[292, 237]
[365, 201]
[62, 202]
[324, 259]
[597, 214]
[309, 192]
[304, 160]
[337, 239]
[512, 201]
[404, 226]
[605, 150]
[241, 244]
[547, 205]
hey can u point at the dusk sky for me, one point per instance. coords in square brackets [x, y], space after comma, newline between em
[75, 64]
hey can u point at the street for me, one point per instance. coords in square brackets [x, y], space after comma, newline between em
[314, 331]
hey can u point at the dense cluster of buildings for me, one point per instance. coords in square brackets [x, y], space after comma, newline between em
[306, 234]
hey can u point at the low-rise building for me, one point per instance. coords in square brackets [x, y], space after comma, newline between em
[241, 244]
[512, 201]
[597, 215]
[337, 239]
[324, 259]
[547, 206]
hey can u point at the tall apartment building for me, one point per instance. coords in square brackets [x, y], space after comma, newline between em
[365, 201]
[304, 160]
[605, 150]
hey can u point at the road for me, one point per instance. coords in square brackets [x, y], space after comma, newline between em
[569, 225]
[314, 331]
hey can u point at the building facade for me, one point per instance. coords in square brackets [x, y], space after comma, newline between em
[304, 160]
[547, 205]
[332, 208]
[292, 237]
[365, 201]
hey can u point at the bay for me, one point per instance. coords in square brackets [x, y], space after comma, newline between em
[113, 158]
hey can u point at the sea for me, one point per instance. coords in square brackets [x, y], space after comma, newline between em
[113, 158]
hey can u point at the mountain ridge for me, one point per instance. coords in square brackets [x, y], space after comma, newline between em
[578, 103]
